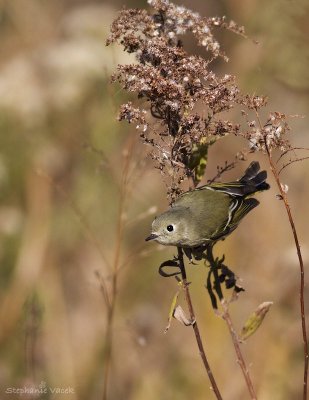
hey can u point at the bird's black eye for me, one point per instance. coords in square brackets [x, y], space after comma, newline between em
[170, 228]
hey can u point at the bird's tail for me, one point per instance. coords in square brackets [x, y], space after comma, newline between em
[255, 179]
[251, 182]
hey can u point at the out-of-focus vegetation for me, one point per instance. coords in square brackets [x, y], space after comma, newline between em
[63, 156]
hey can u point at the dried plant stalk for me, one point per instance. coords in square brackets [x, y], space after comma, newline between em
[171, 85]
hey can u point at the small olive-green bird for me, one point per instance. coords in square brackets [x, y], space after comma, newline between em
[209, 213]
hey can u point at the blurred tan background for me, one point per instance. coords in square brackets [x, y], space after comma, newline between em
[62, 159]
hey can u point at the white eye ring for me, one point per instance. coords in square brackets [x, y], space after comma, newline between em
[170, 228]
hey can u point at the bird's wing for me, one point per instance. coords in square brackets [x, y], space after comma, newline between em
[238, 209]
[236, 188]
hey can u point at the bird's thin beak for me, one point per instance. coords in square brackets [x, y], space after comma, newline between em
[151, 237]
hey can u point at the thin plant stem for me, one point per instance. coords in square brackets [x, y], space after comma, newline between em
[199, 342]
[108, 350]
[300, 259]
[301, 266]
[115, 269]
[240, 359]
[111, 309]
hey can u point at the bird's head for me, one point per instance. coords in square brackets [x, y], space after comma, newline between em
[170, 228]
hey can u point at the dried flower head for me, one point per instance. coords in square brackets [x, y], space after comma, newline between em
[183, 99]
[269, 136]
[176, 86]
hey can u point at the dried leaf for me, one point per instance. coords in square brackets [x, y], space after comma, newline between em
[255, 320]
[180, 315]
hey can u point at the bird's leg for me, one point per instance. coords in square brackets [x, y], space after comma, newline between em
[199, 252]
[189, 254]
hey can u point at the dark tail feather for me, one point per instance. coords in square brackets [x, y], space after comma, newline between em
[251, 172]
[252, 181]
[255, 179]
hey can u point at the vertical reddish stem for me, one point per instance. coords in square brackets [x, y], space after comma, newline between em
[302, 271]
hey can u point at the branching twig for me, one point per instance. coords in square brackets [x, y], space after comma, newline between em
[289, 150]
[291, 162]
[83, 221]
[222, 170]
[227, 318]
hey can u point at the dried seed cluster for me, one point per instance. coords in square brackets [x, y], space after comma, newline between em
[270, 135]
[185, 97]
